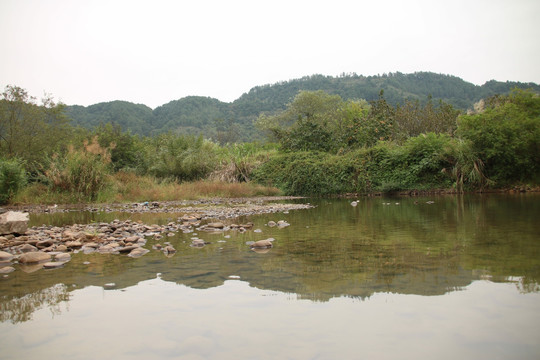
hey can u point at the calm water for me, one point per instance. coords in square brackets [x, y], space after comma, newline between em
[458, 278]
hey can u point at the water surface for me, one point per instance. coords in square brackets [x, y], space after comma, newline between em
[389, 278]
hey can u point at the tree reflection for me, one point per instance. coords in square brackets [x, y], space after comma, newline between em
[20, 309]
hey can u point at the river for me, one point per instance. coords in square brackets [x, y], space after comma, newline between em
[407, 277]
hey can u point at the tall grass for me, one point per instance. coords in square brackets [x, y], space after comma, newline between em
[130, 187]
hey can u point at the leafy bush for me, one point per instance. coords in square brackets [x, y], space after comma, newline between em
[12, 179]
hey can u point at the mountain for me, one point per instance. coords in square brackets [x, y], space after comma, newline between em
[212, 117]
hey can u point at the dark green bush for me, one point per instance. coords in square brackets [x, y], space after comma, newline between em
[12, 179]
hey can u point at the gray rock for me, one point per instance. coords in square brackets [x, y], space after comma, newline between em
[13, 222]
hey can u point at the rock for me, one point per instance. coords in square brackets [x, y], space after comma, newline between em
[169, 249]
[262, 244]
[127, 249]
[271, 223]
[44, 244]
[216, 225]
[5, 256]
[13, 222]
[7, 269]
[282, 223]
[138, 252]
[53, 264]
[91, 245]
[249, 225]
[27, 248]
[62, 257]
[34, 257]
[62, 248]
[73, 244]
[197, 243]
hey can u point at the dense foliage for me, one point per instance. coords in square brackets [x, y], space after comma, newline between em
[320, 144]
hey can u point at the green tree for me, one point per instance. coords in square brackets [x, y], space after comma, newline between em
[506, 136]
[126, 152]
[30, 131]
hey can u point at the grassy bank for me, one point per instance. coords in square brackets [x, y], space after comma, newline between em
[128, 187]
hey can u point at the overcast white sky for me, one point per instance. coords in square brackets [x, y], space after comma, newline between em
[152, 52]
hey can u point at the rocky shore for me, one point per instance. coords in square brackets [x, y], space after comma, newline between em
[47, 247]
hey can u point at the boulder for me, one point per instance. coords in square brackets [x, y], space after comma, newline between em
[34, 257]
[13, 222]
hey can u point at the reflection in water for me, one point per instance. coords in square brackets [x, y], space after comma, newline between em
[156, 319]
[20, 309]
[403, 246]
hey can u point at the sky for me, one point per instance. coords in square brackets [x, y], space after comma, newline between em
[152, 52]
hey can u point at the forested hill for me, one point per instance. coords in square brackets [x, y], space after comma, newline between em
[234, 121]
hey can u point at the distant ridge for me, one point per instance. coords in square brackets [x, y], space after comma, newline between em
[204, 115]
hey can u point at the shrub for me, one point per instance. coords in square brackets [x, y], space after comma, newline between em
[82, 172]
[12, 179]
